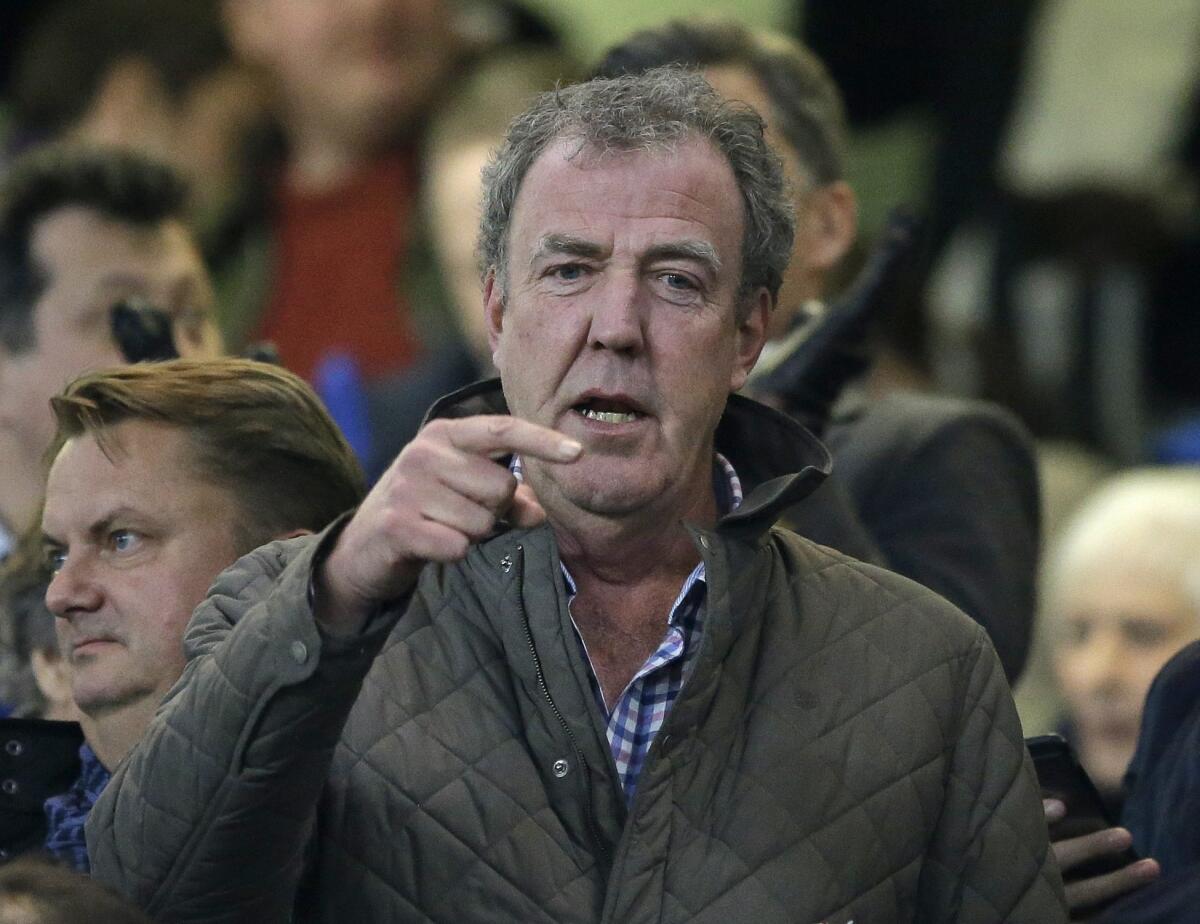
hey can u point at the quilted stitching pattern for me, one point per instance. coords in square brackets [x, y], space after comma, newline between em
[848, 752]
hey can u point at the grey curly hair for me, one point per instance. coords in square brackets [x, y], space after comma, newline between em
[652, 111]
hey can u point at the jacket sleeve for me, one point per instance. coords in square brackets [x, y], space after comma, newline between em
[990, 859]
[209, 818]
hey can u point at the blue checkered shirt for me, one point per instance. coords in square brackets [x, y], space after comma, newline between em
[66, 814]
[642, 707]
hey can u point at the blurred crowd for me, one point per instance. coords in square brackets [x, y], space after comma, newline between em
[1006, 375]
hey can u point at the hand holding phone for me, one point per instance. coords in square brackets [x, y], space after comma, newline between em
[1096, 857]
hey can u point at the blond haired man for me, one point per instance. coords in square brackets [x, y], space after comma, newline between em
[163, 476]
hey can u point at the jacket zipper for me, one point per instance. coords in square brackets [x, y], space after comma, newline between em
[593, 825]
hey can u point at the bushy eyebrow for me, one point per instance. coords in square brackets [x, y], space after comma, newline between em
[565, 244]
[100, 527]
[696, 251]
[700, 252]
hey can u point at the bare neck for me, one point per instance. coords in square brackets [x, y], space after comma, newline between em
[626, 577]
[323, 152]
[626, 554]
[113, 733]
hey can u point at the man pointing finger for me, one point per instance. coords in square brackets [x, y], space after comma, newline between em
[652, 705]
[443, 492]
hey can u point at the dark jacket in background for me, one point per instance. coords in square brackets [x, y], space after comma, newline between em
[943, 491]
[1162, 808]
[1173, 900]
[38, 759]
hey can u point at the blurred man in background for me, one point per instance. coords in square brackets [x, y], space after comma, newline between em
[154, 76]
[80, 231]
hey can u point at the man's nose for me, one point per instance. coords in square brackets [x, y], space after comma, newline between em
[617, 317]
[74, 589]
[1103, 659]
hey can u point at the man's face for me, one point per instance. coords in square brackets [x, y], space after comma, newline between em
[90, 262]
[818, 245]
[1119, 622]
[620, 327]
[136, 539]
[359, 64]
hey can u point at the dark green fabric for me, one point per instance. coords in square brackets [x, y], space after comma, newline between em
[845, 748]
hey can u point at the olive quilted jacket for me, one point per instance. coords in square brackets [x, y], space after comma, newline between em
[845, 749]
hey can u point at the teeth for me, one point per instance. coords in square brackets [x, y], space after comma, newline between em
[612, 417]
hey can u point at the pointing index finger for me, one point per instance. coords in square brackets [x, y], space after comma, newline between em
[497, 434]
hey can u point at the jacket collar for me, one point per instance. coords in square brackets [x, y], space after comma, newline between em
[778, 461]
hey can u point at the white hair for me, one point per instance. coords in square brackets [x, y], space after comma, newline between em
[1148, 517]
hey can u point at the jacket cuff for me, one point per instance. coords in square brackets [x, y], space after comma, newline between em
[379, 622]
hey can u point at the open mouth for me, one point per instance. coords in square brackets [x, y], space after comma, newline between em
[607, 411]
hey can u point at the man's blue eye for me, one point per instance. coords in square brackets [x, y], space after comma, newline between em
[55, 559]
[678, 281]
[123, 540]
[569, 271]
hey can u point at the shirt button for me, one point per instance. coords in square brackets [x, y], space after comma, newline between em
[9, 787]
[14, 748]
[561, 768]
[299, 651]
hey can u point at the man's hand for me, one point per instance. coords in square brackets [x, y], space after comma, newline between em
[443, 492]
[1085, 894]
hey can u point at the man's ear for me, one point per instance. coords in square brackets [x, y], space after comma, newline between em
[830, 225]
[493, 310]
[751, 335]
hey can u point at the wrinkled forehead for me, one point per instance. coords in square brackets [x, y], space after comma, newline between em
[133, 464]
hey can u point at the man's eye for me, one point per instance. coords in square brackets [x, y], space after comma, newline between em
[123, 540]
[568, 272]
[1076, 631]
[54, 559]
[1144, 633]
[678, 281]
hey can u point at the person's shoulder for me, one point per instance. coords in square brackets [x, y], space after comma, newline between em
[263, 566]
[951, 441]
[1181, 675]
[911, 417]
[1173, 703]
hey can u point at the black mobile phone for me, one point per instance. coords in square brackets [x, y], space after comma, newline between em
[1062, 777]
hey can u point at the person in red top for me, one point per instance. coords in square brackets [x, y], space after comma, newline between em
[351, 82]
